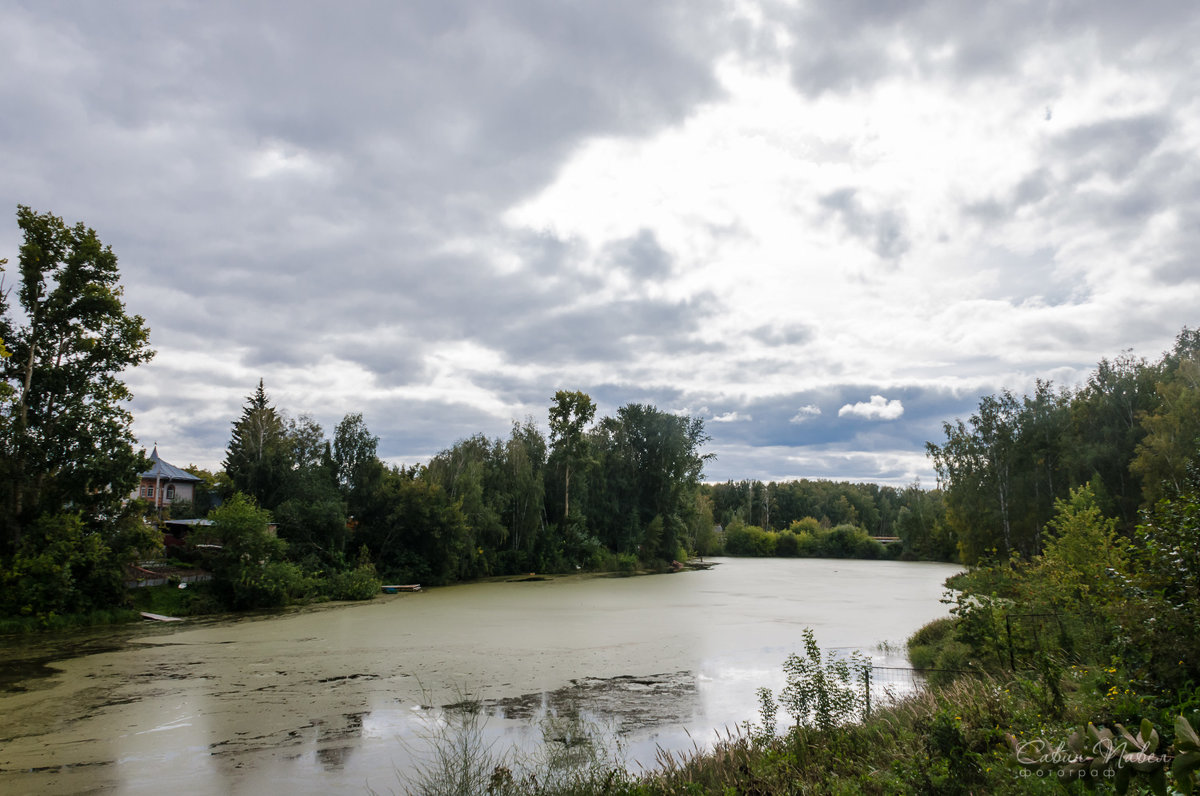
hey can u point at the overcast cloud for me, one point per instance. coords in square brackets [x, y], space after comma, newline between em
[824, 228]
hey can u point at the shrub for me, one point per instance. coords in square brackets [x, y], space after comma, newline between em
[787, 545]
[933, 632]
[60, 568]
[360, 583]
[822, 691]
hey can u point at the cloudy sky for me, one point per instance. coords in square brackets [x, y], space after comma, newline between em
[822, 227]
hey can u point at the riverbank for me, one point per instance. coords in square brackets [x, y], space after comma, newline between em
[196, 600]
[950, 739]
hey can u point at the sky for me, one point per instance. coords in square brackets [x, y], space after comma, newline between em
[823, 228]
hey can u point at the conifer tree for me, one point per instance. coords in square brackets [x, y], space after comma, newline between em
[258, 460]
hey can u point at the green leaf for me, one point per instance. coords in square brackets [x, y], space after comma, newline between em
[1121, 780]
[1135, 744]
[1185, 764]
[1186, 739]
[1158, 782]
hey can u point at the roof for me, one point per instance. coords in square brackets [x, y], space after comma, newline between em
[167, 472]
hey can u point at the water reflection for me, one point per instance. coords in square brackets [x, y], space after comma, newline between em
[330, 699]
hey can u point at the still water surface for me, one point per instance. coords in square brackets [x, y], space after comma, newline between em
[329, 699]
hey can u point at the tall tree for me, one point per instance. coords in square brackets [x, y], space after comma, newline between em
[524, 462]
[470, 473]
[976, 466]
[569, 416]
[312, 515]
[258, 459]
[1172, 441]
[65, 439]
[1106, 430]
[650, 469]
[356, 461]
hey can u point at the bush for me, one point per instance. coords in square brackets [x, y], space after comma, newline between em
[248, 567]
[932, 633]
[809, 545]
[822, 691]
[360, 583]
[627, 562]
[60, 568]
[748, 540]
[787, 545]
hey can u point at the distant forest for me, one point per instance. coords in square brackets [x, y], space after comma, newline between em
[618, 493]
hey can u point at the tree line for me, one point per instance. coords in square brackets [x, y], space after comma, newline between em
[1129, 433]
[833, 519]
[620, 493]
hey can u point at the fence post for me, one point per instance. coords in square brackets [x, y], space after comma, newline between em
[866, 673]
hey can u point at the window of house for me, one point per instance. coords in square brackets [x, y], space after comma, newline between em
[170, 491]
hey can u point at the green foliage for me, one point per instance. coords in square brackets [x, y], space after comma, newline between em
[60, 568]
[1083, 557]
[170, 600]
[569, 415]
[65, 439]
[360, 583]
[787, 545]
[1172, 429]
[248, 562]
[354, 459]
[748, 540]
[470, 473]
[805, 538]
[259, 458]
[823, 691]
[1129, 433]
[416, 533]
[1163, 623]
[647, 465]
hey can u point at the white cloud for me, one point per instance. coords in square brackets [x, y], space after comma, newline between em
[805, 206]
[731, 417]
[805, 413]
[878, 408]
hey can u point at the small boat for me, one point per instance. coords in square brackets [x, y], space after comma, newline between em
[406, 587]
[160, 617]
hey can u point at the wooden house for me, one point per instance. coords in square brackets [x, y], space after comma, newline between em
[164, 483]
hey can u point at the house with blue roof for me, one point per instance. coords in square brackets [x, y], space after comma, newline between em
[164, 483]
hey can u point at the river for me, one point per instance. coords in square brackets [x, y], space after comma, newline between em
[329, 698]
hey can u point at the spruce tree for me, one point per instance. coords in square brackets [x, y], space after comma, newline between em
[258, 460]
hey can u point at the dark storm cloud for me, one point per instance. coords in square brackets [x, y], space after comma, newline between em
[280, 145]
